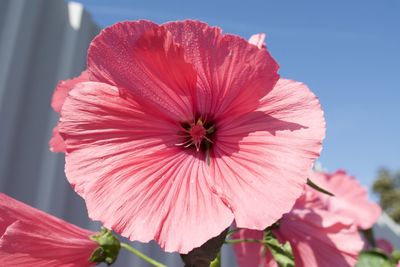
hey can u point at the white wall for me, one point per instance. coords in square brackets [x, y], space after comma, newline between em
[386, 228]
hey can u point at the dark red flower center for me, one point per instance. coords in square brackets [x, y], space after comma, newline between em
[197, 134]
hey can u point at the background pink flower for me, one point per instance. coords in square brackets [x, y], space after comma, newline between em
[384, 245]
[317, 237]
[320, 238]
[184, 129]
[251, 254]
[56, 142]
[351, 199]
[30, 237]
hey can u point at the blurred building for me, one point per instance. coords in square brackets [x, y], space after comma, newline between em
[42, 42]
[386, 228]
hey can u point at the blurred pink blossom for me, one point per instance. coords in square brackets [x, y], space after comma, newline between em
[317, 237]
[351, 199]
[30, 237]
[384, 245]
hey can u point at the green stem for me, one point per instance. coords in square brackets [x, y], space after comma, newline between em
[217, 261]
[248, 240]
[142, 256]
[369, 235]
[231, 232]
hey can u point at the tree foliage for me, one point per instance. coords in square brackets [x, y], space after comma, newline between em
[387, 186]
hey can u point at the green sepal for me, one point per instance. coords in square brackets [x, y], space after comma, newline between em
[318, 188]
[211, 130]
[395, 258]
[208, 159]
[108, 249]
[217, 261]
[206, 253]
[373, 258]
[369, 236]
[282, 253]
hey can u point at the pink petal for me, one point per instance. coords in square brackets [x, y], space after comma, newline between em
[143, 58]
[63, 88]
[54, 246]
[123, 160]
[56, 142]
[232, 74]
[248, 254]
[320, 238]
[30, 237]
[269, 260]
[266, 156]
[384, 245]
[258, 40]
[351, 199]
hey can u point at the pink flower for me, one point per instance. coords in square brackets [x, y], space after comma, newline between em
[182, 129]
[384, 245]
[30, 237]
[317, 237]
[252, 254]
[350, 200]
[320, 238]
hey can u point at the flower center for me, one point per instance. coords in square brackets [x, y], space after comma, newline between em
[197, 134]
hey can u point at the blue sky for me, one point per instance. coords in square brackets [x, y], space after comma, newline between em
[348, 52]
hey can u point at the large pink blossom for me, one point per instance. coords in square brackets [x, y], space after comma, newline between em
[317, 237]
[29, 237]
[183, 129]
[351, 199]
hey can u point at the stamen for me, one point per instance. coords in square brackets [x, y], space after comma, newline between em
[197, 134]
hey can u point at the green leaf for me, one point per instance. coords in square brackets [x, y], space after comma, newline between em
[373, 258]
[206, 253]
[282, 253]
[318, 188]
[395, 258]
